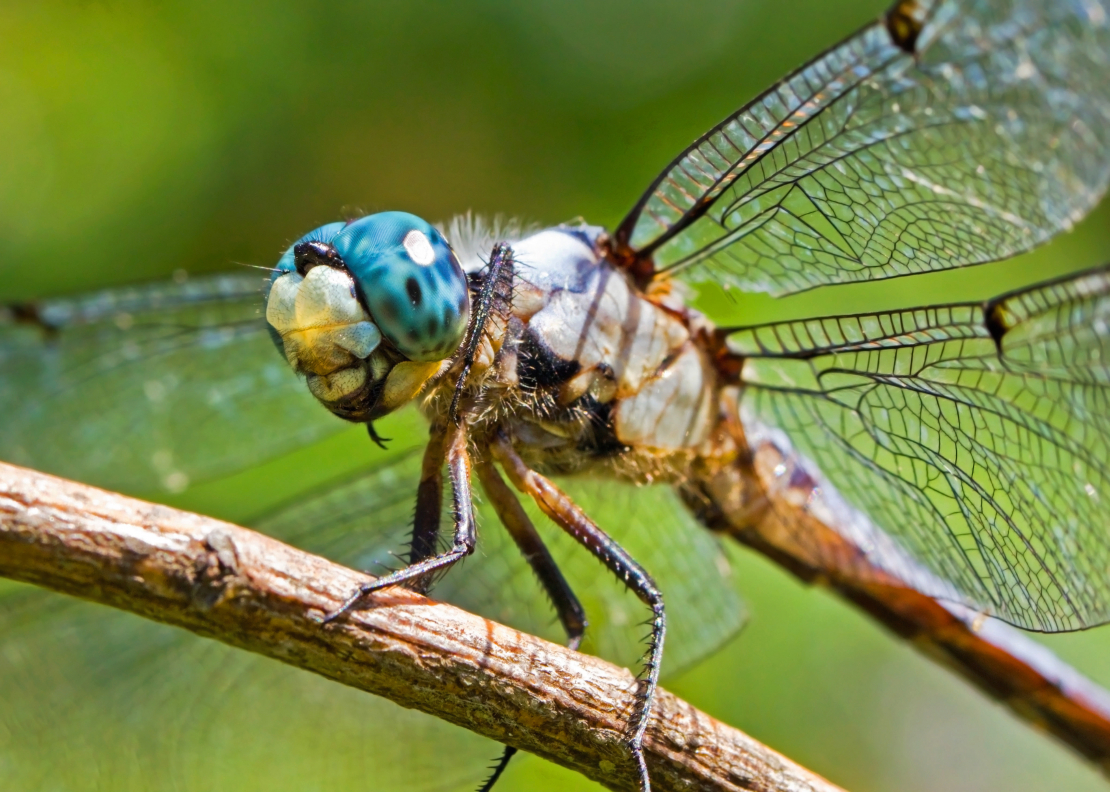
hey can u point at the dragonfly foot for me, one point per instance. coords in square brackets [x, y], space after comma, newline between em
[350, 602]
[637, 748]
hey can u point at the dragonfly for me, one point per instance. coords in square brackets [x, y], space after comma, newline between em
[958, 449]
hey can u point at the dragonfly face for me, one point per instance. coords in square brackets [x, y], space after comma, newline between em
[367, 311]
[959, 449]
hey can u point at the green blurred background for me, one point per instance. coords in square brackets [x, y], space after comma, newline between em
[140, 138]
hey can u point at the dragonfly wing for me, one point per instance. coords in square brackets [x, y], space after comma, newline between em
[150, 388]
[98, 699]
[963, 448]
[365, 522]
[948, 133]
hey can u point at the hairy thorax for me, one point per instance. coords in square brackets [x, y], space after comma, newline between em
[587, 373]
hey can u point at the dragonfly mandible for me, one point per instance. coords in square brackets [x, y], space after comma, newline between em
[959, 448]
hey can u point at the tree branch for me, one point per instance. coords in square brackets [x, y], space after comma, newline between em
[253, 592]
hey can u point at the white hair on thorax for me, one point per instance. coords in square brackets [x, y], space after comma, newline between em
[472, 236]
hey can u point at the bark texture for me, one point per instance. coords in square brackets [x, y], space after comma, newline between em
[250, 591]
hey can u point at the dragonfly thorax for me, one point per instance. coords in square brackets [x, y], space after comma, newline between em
[585, 369]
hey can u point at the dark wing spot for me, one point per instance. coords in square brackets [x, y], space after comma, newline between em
[997, 323]
[29, 314]
[415, 293]
[903, 24]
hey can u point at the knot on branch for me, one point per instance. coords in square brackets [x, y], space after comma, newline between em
[217, 573]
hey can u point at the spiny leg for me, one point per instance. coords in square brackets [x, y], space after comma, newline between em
[498, 769]
[569, 516]
[429, 506]
[493, 298]
[458, 468]
[512, 515]
[520, 527]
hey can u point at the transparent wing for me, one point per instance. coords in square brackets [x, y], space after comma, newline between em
[873, 161]
[365, 522]
[968, 445]
[150, 388]
[96, 699]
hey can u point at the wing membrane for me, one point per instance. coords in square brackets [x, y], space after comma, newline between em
[972, 441]
[872, 162]
[97, 699]
[151, 387]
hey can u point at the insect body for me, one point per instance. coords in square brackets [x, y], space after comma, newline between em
[894, 153]
[958, 450]
[569, 368]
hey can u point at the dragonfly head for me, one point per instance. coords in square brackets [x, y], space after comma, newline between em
[368, 311]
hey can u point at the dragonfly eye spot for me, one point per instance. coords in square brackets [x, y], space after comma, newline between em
[419, 248]
[349, 303]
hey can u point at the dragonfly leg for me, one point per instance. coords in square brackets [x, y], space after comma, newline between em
[494, 298]
[570, 611]
[429, 507]
[498, 769]
[458, 468]
[565, 513]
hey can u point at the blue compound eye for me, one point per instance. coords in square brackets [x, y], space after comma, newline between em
[410, 281]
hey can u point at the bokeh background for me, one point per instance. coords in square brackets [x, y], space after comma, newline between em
[138, 138]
